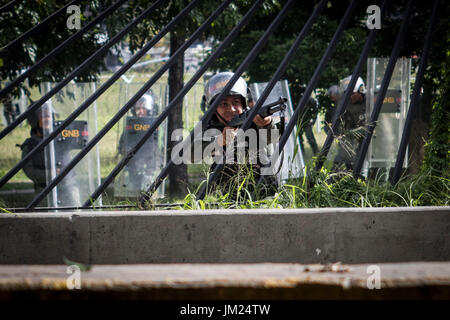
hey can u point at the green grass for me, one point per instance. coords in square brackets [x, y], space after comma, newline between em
[10, 154]
[325, 189]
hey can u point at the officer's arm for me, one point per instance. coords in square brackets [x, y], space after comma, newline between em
[262, 122]
[35, 174]
[121, 146]
[273, 125]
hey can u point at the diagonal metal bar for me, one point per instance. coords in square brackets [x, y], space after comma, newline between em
[250, 57]
[277, 75]
[317, 73]
[342, 105]
[126, 107]
[173, 103]
[33, 107]
[9, 5]
[415, 96]
[383, 89]
[97, 93]
[36, 28]
[59, 48]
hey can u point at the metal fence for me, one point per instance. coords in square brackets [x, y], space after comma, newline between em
[90, 201]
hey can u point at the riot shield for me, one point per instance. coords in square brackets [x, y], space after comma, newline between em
[290, 163]
[81, 181]
[148, 162]
[192, 106]
[383, 149]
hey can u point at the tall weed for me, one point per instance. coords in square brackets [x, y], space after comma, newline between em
[322, 189]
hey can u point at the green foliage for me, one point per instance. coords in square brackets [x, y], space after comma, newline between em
[437, 147]
[308, 55]
[163, 15]
[28, 14]
[82, 266]
[323, 189]
[346, 54]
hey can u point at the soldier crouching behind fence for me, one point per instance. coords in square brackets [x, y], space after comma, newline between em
[246, 172]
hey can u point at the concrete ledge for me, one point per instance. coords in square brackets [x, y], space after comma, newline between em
[231, 281]
[228, 236]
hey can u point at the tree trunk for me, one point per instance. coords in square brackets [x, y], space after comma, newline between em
[178, 178]
[420, 130]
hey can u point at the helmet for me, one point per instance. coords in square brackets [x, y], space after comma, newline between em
[217, 82]
[145, 101]
[45, 110]
[334, 91]
[359, 87]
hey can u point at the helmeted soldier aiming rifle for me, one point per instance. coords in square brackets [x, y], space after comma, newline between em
[229, 115]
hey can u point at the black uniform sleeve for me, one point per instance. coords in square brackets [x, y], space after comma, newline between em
[37, 175]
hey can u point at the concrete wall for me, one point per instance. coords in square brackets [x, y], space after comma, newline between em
[228, 236]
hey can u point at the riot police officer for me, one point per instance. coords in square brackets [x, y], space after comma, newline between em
[144, 163]
[143, 108]
[334, 94]
[38, 169]
[352, 128]
[232, 105]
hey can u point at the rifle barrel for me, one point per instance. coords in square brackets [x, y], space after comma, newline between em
[279, 101]
[265, 111]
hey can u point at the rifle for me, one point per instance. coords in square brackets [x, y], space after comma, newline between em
[265, 111]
